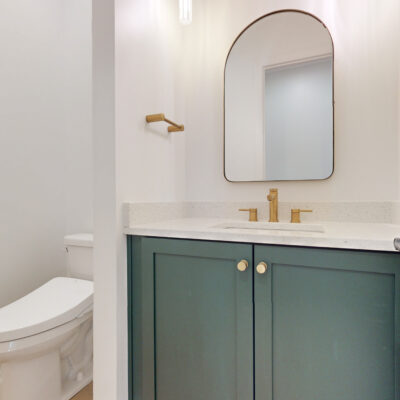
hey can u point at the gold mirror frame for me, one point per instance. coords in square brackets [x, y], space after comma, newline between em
[333, 93]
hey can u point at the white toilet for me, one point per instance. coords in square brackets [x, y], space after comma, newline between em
[46, 349]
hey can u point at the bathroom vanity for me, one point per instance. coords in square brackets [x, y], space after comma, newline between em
[221, 312]
[224, 309]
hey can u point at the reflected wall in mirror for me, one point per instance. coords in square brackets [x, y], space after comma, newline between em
[279, 100]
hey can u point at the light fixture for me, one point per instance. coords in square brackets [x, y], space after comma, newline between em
[185, 11]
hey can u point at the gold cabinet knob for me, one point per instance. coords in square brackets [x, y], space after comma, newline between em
[242, 265]
[262, 268]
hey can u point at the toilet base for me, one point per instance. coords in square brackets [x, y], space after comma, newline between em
[36, 379]
[73, 391]
[55, 369]
[29, 380]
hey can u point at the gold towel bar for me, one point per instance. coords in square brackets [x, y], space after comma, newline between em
[161, 117]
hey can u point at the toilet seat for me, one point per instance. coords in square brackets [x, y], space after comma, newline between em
[56, 303]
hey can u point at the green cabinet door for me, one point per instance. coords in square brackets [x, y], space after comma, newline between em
[326, 324]
[191, 320]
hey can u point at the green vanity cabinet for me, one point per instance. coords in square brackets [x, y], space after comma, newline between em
[319, 324]
[326, 324]
[192, 320]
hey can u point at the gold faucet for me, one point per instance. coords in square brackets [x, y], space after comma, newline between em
[252, 213]
[295, 215]
[273, 205]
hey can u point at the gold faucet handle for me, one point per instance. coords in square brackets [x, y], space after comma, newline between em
[252, 213]
[295, 215]
[273, 194]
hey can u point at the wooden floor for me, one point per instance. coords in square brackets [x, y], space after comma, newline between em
[85, 394]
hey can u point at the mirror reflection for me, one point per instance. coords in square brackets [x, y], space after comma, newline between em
[279, 100]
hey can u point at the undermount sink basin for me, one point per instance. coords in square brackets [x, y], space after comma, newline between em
[271, 226]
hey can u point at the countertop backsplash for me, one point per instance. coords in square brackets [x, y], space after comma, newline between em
[358, 212]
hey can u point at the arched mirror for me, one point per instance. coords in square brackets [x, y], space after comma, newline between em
[279, 100]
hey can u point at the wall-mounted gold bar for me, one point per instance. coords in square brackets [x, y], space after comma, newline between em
[161, 117]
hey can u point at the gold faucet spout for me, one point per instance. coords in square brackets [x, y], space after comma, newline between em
[273, 205]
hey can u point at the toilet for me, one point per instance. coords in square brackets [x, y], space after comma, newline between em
[46, 337]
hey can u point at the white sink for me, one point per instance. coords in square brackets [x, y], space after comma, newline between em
[271, 226]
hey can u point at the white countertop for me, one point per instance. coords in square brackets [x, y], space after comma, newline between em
[360, 236]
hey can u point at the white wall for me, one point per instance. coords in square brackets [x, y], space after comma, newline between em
[365, 35]
[34, 172]
[150, 162]
[149, 63]
[137, 68]
[108, 289]
[77, 81]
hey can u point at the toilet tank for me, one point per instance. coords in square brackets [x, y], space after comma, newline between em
[79, 249]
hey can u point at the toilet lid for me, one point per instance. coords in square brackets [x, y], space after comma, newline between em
[55, 303]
